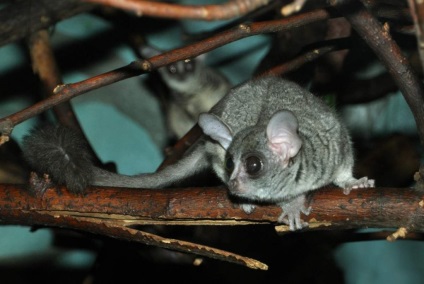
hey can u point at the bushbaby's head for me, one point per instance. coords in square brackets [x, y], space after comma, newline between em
[179, 74]
[258, 157]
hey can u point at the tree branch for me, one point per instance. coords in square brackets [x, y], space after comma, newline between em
[23, 18]
[44, 65]
[417, 13]
[115, 212]
[386, 49]
[229, 10]
[299, 61]
[69, 91]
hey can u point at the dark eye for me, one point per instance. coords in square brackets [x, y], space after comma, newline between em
[188, 65]
[229, 165]
[253, 165]
[172, 69]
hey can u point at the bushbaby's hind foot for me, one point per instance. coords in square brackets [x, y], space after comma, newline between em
[357, 183]
[39, 185]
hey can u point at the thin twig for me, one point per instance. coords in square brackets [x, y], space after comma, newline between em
[299, 61]
[69, 91]
[229, 10]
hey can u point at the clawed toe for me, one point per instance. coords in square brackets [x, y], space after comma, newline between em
[247, 208]
[39, 185]
[291, 213]
[293, 221]
[363, 182]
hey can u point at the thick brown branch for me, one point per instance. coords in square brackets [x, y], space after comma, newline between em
[229, 10]
[115, 212]
[331, 209]
[69, 91]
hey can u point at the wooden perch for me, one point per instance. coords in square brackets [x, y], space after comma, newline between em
[115, 212]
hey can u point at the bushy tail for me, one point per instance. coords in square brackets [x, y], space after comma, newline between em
[62, 153]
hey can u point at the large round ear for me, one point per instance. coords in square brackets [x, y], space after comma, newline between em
[282, 135]
[216, 129]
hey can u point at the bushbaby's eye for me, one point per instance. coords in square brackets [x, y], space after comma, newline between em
[189, 65]
[253, 165]
[229, 165]
[172, 69]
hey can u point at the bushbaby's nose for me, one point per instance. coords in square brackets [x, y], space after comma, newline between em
[233, 183]
[235, 186]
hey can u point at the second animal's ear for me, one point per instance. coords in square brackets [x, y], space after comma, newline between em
[282, 135]
[216, 129]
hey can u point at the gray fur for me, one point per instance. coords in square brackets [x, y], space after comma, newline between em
[62, 153]
[311, 149]
[195, 88]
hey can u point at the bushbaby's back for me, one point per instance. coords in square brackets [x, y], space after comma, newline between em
[255, 102]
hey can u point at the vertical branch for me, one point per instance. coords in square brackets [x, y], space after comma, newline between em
[44, 64]
[386, 49]
[417, 13]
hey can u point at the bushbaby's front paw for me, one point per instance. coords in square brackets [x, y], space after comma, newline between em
[293, 220]
[291, 213]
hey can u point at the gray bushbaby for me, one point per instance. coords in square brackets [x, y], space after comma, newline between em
[268, 140]
[194, 88]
